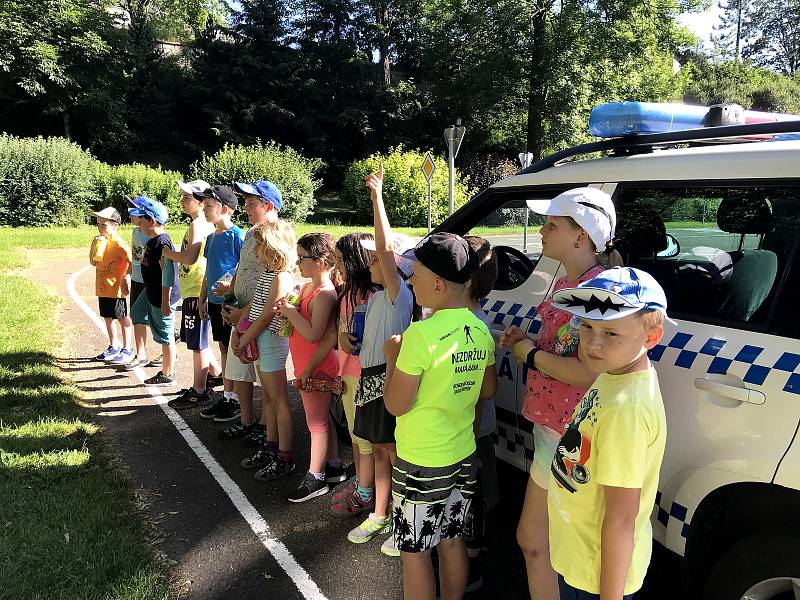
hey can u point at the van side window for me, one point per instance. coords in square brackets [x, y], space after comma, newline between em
[723, 254]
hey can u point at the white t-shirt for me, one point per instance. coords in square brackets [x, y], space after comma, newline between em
[383, 320]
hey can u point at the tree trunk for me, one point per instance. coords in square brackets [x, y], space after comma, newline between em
[537, 92]
[381, 13]
[67, 129]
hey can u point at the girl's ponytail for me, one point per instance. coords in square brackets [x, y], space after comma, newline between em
[610, 257]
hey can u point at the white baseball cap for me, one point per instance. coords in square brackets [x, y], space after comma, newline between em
[110, 214]
[591, 208]
[197, 186]
[400, 244]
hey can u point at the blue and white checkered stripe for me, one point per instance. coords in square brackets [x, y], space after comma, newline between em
[505, 313]
[753, 364]
[674, 511]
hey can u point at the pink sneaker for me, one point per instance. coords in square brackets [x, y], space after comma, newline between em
[353, 505]
[346, 490]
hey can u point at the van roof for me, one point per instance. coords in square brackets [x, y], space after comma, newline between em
[750, 160]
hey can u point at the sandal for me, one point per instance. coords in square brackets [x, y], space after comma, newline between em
[256, 437]
[232, 432]
[260, 459]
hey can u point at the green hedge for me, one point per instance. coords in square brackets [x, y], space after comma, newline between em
[294, 174]
[405, 190]
[113, 183]
[44, 181]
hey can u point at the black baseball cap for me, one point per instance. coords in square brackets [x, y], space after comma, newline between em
[446, 254]
[221, 193]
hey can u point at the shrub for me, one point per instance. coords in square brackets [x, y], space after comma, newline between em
[44, 181]
[293, 173]
[113, 183]
[405, 191]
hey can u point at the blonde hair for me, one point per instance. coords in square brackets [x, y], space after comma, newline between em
[607, 258]
[275, 245]
[650, 319]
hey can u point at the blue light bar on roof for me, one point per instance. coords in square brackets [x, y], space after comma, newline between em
[617, 119]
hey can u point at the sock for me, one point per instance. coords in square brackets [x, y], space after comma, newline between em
[336, 462]
[285, 455]
[318, 476]
[364, 493]
[230, 396]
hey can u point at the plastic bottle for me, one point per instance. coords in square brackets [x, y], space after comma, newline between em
[286, 328]
[98, 248]
[359, 315]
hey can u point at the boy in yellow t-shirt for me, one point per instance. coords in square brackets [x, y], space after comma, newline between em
[111, 257]
[605, 469]
[436, 375]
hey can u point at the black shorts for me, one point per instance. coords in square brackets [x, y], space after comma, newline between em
[194, 330]
[113, 308]
[220, 330]
[374, 423]
[137, 287]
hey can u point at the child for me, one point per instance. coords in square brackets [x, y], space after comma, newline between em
[486, 492]
[388, 313]
[275, 248]
[222, 256]
[138, 242]
[311, 322]
[352, 261]
[194, 330]
[111, 257]
[578, 233]
[436, 375]
[160, 296]
[605, 470]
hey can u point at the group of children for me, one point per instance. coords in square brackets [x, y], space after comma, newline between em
[396, 328]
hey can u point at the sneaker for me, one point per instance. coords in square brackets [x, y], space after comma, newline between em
[123, 358]
[347, 489]
[371, 526]
[256, 437]
[388, 548]
[191, 398]
[353, 505]
[230, 412]
[108, 353]
[215, 408]
[275, 470]
[235, 431]
[156, 362]
[213, 381]
[334, 474]
[134, 364]
[309, 488]
[474, 580]
[260, 459]
[160, 379]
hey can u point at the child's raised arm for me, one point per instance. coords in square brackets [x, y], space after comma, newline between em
[384, 247]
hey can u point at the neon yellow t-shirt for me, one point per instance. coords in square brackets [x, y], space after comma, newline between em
[615, 438]
[191, 276]
[450, 350]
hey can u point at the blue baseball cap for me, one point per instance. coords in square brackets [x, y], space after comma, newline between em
[266, 189]
[613, 294]
[147, 207]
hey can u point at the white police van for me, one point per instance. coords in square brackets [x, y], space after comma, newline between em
[718, 224]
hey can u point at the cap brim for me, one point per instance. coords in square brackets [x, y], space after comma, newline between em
[368, 245]
[597, 304]
[185, 187]
[545, 207]
[246, 188]
[135, 211]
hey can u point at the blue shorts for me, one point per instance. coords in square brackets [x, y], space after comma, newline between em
[567, 592]
[272, 352]
[140, 313]
[160, 326]
[194, 330]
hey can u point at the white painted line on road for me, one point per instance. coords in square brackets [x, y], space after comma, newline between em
[279, 551]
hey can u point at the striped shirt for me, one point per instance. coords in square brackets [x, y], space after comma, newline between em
[260, 297]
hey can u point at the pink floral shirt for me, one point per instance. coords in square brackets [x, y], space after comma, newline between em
[547, 401]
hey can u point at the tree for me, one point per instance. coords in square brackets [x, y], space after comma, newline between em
[775, 39]
[734, 29]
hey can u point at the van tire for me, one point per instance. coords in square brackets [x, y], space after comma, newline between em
[753, 560]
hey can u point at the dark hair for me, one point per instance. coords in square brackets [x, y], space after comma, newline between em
[484, 278]
[321, 246]
[357, 282]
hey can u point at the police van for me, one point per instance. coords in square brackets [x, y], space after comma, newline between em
[713, 212]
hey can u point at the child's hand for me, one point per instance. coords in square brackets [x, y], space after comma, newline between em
[285, 309]
[392, 348]
[166, 310]
[202, 310]
[511, 336]
[235, 340]
[221, 288]
[347, 342]
[125, 287]
[375, 184]
[304, 377]
[231, 315]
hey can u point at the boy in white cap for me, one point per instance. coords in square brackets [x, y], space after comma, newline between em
[604, 475]
[111, 257]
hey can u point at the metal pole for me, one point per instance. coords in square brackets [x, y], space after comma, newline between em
[430, 204]
[525, 231]
[451, 165]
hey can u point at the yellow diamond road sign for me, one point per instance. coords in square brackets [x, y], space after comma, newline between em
[428, 167]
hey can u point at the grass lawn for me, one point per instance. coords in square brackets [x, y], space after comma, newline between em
[70, 527]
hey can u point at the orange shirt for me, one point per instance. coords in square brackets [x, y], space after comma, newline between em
[112, 266]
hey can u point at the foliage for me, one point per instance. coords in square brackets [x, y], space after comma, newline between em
[44, 182]
[293, 173]
[405, 190]
[114, 183]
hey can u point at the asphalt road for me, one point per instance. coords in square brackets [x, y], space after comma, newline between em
[217, 554]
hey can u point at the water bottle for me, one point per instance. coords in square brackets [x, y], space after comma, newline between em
[99, 244]
[359, 315]
[285, 328]
[225, 281]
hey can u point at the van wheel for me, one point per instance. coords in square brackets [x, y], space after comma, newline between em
[760, 567]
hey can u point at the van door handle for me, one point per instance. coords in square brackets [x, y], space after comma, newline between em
[742, 394]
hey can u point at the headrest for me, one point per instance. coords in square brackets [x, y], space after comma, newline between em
[640, 231]
[745, 214]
